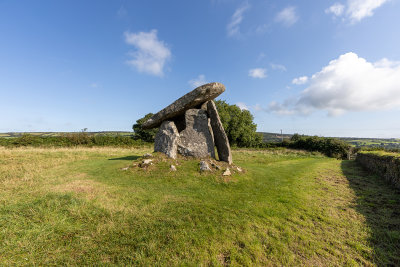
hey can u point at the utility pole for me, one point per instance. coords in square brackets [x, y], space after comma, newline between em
[281, 136]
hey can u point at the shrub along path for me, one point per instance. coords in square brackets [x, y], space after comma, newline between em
[77, 206]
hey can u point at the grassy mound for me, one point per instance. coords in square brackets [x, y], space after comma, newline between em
[80, 206]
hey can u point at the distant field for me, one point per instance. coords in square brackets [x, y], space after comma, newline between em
[77, 206]
[357, 142]
[391, 143]
[274, 137]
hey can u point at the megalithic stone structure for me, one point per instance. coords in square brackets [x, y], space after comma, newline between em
[185, 126]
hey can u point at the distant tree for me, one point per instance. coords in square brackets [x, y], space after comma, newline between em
[142, 134]
[295, 137]
[238, 125]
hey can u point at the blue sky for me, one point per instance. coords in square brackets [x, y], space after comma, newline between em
[329, 68]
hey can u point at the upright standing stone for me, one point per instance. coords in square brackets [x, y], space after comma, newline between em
[167, 139]
[195, 139]
[204, 107]
[220, 138]
[190, 100]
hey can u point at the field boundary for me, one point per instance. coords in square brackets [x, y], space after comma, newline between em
[385, 165]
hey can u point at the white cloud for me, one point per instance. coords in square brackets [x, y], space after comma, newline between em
[349, 83]
[300, 80]
[278, 67]
[151, 54]
[258, 73]
[336, 9]
[233, 26]
[386, 63]
[280, 109]
[287, 16]
[94, 85]
[200, 80]
[359, 9]
[242, 106]
[356, 10]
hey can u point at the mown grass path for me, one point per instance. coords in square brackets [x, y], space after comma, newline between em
[77, 207]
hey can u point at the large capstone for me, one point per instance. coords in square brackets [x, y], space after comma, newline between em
[195, 139]
[167, 139]
[220, 138]
[190, 100]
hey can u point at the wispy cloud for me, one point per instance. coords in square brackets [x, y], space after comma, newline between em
[200, 80]
[300, 80]
[277, 67]
[259, 73]
[336, 9]
[355, 10]
[233, 27]
[348, 83]
[287, 16]
[151, 54]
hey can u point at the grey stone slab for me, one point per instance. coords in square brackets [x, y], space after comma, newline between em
[195, 139]
[190, 100]
[166, 140]
[220, 137]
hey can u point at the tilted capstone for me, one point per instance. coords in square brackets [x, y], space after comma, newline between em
[191, 100]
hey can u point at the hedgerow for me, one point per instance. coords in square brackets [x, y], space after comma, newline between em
[72, 139]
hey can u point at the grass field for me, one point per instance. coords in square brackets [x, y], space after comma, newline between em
[78, 207]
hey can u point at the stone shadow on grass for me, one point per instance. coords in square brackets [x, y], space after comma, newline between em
[379, 202]
[126, 158]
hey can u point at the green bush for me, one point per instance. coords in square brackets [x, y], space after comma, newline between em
[331, 147]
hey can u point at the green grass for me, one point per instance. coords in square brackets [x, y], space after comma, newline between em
[78, 207]
[382, 153]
